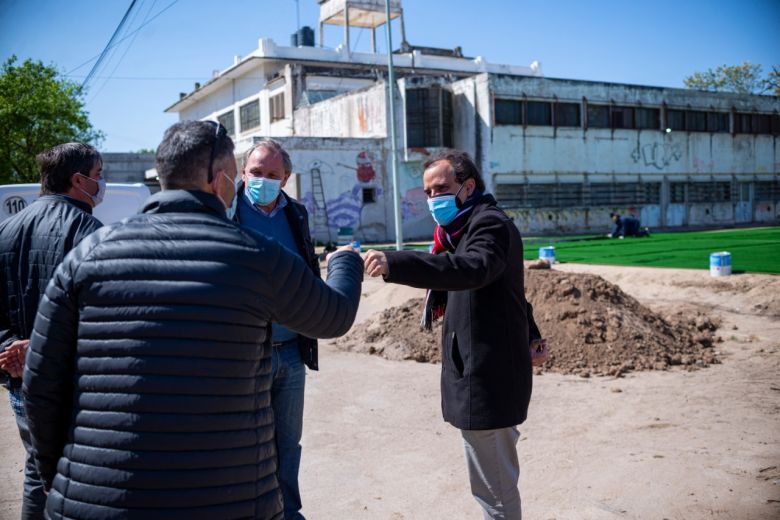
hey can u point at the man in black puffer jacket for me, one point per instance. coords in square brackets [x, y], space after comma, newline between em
[148, 374]
[32, 244]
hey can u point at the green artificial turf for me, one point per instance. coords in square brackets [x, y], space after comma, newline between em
[752, 250]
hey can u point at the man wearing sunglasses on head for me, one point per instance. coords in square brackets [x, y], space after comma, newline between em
[262, 206]
[474, 277]
[148, 377]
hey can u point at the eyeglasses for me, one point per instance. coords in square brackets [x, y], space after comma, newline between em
[220, 132]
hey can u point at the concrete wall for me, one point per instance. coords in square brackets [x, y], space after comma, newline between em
[359, 114]
[126, 167]
[543, 154]
[347, 167]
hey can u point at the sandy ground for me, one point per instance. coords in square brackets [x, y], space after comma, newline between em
[674, 445]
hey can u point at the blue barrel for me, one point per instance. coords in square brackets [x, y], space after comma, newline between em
[547, 254]
[720, 264]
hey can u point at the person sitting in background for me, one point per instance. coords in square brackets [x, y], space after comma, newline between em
[627, 226]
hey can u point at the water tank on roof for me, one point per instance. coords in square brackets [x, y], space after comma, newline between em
[303, 37]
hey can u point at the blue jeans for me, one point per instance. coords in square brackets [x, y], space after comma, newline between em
[33, 498]
[289, 381]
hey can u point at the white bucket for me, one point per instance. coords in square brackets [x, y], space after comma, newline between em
[720, 264]
[547, 254]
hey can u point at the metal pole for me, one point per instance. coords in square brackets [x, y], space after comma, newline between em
[399, 239]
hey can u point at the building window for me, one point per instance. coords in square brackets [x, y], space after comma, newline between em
[228, 122]
[428, 117]
[767, 191]
[598, 116]
[315, 96]
[539, 113]
[567, 114]
[717, 122]
[695, 121]
[709, 192]
[677, 192]
[369, 195]
[647, 118]
[622, 117]
[508, 112]
[276, 103]
[762, 124]
[564, 195]
[649, 193]
[775, 124]
[249, 115]
[675, 119]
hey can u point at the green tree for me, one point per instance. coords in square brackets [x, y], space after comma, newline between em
[742, 79]
[38, 109]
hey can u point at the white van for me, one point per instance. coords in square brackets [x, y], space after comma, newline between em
[121, 200]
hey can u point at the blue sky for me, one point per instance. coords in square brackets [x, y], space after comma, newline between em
[650, 43]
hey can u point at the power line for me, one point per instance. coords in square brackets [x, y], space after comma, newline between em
[127, 49]
[126, 36]
[108, 45]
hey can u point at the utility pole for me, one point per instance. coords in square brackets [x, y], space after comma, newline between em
[399, 240]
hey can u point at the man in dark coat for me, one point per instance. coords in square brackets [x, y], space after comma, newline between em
[263, 207]
[474, 278]
[148, 376]
[32, 244]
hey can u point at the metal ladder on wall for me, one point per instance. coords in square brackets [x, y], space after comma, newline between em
[321, 226]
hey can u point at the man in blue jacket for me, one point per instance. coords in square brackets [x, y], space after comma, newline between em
[263, 207]
[627, 226]
[148, 377]
[32, 243]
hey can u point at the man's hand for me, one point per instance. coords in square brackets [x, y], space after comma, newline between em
[12, 358]
[375, 263]
[540, 352]
[347, 247]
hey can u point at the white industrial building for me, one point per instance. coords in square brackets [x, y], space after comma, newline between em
[559, 154]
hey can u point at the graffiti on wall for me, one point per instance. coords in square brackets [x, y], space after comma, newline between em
[342, 189]
[657, 155]
[700, 166]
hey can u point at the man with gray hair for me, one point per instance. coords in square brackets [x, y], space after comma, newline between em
[264, 208]
[148, 376]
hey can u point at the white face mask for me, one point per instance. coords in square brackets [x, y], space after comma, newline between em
[97, 198]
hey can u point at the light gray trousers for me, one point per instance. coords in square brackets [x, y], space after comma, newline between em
[491, 457]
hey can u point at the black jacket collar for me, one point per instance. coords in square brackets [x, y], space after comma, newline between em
[184, 201]
[83, 206]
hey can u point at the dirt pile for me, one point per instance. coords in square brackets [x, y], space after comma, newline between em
[395, 334]
[593, 328]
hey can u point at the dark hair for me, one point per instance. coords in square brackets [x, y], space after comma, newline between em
[58, 165]
[183, 155]
[462, 165]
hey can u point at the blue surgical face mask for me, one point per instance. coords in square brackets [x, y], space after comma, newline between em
[444, 208]
[263, 191]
